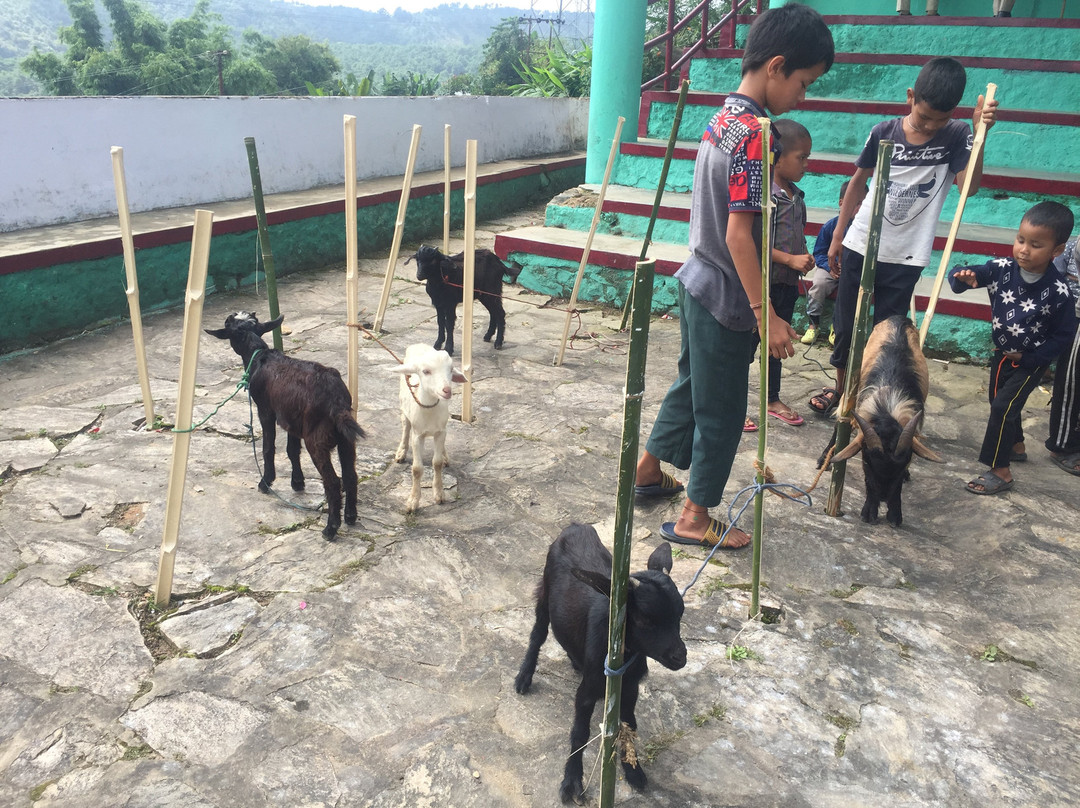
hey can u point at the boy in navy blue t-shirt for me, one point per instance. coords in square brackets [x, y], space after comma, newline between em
[1033, 320]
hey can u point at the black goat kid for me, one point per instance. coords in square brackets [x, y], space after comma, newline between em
[310, 402]
[444, 279]
[573, 597]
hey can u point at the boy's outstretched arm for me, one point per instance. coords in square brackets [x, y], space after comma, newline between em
[744, 252]
[988, 114]
[852, 199]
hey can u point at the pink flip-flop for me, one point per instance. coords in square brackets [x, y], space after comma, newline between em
[794, 419]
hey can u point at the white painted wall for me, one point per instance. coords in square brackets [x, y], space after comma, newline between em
[55, 164]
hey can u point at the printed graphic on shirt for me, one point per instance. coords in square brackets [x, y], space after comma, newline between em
[907, 199]
[734, 130]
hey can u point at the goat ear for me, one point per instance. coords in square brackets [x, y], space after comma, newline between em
[458, 377]
[220, 333]
[661, 560]
[924, 452]
[601, 583]
[404, 370]
[850, 450]
[270, 326]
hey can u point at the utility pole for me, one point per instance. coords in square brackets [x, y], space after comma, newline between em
[220, 74]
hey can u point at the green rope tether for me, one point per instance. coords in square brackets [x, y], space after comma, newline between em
[240, 385]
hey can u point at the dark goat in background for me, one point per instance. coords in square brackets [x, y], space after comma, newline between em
[893, 384]
[444, 279]
[310, 402]
[573, 597]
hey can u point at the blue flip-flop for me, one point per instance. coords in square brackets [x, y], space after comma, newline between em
[667, 487]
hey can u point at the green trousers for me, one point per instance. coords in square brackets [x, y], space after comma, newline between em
[701, 418]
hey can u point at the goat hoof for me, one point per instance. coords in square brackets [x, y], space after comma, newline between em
[350, 518]
[329, 533]
[522, 683]
[297, 485]
[572, 790]
[264, 487]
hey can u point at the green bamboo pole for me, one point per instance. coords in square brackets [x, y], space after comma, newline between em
[862, 320]
[624, 520]
[763, 365]
[684, 87]
[264, 236]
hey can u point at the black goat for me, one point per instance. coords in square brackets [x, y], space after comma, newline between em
[573, 597]
[310, 402]
[444, 279]
[893, 385]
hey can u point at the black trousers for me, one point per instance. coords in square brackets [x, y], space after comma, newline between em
[1010, 386]
[1065, 405]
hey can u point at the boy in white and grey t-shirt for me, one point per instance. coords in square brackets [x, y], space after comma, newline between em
[932, 152]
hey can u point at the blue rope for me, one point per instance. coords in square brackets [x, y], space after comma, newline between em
[753, 489]
[245, 380]
[620, 671]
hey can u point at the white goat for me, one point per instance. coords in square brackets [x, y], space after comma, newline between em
[426, 376]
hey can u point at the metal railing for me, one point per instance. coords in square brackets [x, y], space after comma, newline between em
[672, 65]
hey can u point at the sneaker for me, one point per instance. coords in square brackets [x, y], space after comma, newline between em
[810, 335]
[832, 337]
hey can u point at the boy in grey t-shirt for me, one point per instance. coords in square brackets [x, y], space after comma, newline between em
[932, 152]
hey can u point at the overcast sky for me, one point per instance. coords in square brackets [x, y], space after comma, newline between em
[419, 5]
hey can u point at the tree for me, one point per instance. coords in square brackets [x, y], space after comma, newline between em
[145, 56]
[556, 73]
[505, 49]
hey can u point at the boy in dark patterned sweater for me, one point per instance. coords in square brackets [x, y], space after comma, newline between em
[1033, 320]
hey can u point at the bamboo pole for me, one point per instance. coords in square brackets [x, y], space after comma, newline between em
[588, 241]
[446, 191]
[862, 320]
[468, 279]
[352, 254]
[624, 521]
[132, 288]
[399, 227]
[185, 399]
[684, 88]
[763, 364]
[264, 236]
[965, 190]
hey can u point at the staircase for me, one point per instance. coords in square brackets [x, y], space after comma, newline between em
[1031, 154]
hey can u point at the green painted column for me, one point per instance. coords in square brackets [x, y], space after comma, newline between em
[618, 40]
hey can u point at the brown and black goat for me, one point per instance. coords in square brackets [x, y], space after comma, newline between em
[573, 598]
[893, 384]
[310, 402]
[443, 277]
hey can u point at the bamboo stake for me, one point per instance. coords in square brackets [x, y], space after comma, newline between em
[399, 227]
[862, 319]
[468, 279]
[624, 520]
[589, 240]
[264, 236]
[132, 288]
[965, 190]
[446, 191]
[352, 254]
[185, 399]
[763, 364]
[684, 88]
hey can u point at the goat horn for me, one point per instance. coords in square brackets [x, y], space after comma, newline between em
[869, 436]
[903, 445]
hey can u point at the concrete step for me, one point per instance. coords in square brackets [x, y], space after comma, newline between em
[1021, 139]
[1043, 84]
[530, 245]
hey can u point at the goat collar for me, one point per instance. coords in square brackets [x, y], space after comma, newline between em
[412, 389]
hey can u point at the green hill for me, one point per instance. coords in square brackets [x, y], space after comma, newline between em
[446, 40]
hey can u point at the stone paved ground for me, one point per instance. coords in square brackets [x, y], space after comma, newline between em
[934, 665]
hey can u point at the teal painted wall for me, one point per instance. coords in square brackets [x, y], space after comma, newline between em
[954, 8]
[57, 301]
